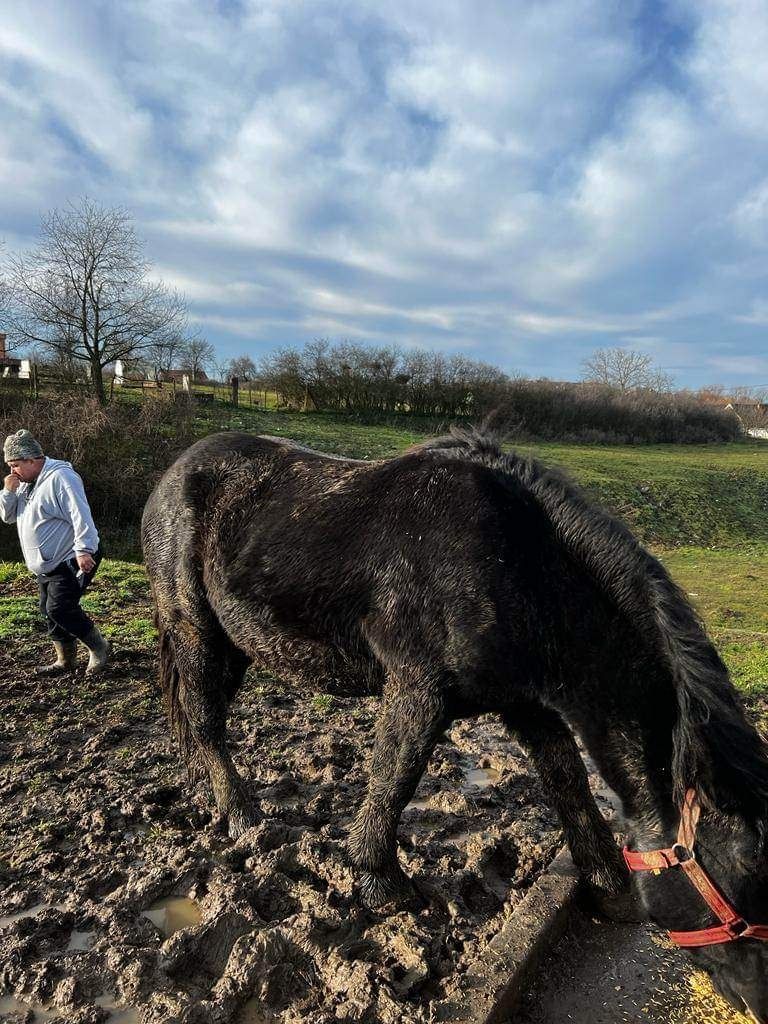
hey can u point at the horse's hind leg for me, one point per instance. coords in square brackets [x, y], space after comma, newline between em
[206, 672]
[410, 722]
[550, 744]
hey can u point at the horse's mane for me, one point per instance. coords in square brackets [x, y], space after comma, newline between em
[716, 749]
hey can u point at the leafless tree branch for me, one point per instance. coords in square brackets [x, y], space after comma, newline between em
[85, 293]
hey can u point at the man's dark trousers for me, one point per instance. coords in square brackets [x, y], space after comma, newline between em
[60, 593]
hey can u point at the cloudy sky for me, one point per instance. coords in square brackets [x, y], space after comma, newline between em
[519, 181]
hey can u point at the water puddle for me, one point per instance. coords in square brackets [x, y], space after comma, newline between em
[252, 1013]
[8, 1004]
[117, 1014]
[80, 940]
[38, 908]
[126, 1015]
[173, 913]
[474, 778]
[480, 778]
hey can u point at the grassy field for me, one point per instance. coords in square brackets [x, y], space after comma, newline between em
[728, 587]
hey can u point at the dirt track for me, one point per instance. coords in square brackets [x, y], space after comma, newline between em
[100, 825]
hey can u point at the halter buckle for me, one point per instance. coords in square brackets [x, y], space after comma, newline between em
[736, 928]
[683, 853]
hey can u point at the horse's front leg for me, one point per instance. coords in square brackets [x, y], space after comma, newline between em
[550, 744]
[410, 722]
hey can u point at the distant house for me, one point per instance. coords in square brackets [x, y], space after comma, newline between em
[746, 405]
[177, 376]
[752, 414]
[9, 366]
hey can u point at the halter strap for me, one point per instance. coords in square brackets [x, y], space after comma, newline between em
[732, 925]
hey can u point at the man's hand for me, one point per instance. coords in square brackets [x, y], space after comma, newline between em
[11, 482]
[86, 562]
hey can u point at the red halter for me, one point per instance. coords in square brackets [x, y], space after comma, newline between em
[732, 925]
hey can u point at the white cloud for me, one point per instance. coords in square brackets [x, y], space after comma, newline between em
[728, 62]
[526, 181]
[758, 313]
[75, 86]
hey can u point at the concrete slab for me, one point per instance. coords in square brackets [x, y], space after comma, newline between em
[514, 954]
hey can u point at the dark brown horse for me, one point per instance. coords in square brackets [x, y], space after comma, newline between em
[458, 580]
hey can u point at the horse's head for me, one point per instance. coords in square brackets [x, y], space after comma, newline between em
[714, 901]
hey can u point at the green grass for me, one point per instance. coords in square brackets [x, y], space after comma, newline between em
[19, 616]
[327, 432]
[676, 494]
[322, 703]
[118, 600]
[728, 587]
[138, 632]
[12, 571]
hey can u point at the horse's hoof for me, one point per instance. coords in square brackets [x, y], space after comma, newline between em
[240, 821]
[623, 907]
[379, 891]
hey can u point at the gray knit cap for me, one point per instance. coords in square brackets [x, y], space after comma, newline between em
[21, 445]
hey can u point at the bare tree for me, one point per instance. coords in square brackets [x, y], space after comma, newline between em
[243, 367]
[196, 355]
[85, 291]
[165, 351]
[712, 394]
[624, 369]
[5, 297]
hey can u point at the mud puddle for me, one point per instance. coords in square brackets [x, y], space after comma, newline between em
[80, 940]
[172, 913]
[118, 1014]
[33, 911]
[120, 893]
[14, 1010]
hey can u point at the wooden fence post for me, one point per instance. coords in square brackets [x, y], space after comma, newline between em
[235, 384]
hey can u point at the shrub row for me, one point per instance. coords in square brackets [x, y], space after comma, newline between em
[119, 450]
[595, 414]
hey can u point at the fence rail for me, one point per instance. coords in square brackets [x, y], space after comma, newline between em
[238, 393]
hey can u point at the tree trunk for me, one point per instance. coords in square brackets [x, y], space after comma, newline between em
[97, 380]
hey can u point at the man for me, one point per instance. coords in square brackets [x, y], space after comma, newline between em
[46, 499]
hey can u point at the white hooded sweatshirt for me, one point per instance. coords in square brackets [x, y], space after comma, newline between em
[52, 516]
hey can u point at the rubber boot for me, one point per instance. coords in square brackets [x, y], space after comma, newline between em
[99, 649]
[66, 659]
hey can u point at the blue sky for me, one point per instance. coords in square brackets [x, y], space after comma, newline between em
[522, 182]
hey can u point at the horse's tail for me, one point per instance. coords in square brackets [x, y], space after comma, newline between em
[172, 684]
[711, 728]
[164, 533]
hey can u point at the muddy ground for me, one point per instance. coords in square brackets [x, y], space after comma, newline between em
[122, 899]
